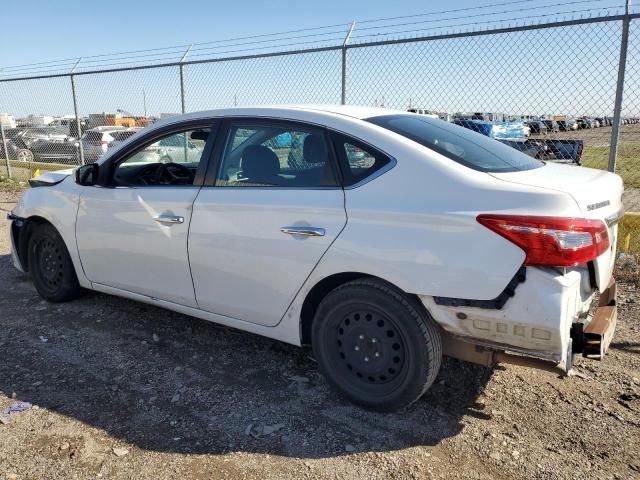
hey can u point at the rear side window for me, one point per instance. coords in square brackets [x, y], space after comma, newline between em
[461, 145]
[358, 161]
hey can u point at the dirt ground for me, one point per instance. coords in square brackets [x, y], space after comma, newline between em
[125, 390]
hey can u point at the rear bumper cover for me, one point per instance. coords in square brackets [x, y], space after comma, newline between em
[535, 322]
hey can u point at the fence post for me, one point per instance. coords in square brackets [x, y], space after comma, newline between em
[343, 96]
[75, 111]
[617, 109]
[5, 149]
[182, 102]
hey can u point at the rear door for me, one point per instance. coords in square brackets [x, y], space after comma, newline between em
[269, 210]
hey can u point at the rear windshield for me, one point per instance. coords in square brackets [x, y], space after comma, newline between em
[460, 144]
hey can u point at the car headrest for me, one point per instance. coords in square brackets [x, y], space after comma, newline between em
[314, 149]
[260, 164]
[200, 135]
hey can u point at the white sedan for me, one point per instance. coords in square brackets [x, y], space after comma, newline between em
[383, 239]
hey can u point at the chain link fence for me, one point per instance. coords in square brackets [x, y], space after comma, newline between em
[553, 90]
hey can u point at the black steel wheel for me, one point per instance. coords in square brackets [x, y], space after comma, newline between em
[50, 265]
[376, 345]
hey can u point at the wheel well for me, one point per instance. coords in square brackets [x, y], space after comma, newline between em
[324, 287]
[315, 296]
[22, 240]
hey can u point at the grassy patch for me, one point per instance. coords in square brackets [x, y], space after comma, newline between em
[12, 183]
[627, 165]
[627, 270]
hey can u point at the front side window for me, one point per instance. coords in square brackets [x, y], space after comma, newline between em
[170, 160]
[276, 156]
[461, 145]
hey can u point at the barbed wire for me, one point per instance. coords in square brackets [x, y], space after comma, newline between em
[485, 14]
[322, 36]
[531, 20]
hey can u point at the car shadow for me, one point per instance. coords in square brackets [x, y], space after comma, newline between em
[625, 346]
[170, 383]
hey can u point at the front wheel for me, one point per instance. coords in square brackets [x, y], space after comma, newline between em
[376, 345]
[51, 267]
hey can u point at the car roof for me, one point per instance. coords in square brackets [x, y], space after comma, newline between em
[286, 111]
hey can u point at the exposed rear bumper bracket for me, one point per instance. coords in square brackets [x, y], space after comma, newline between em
[494, 304]
[597, 335]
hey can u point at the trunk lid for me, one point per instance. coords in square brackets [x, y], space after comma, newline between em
[598, 194]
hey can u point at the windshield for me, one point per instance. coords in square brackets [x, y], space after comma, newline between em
[460, 144]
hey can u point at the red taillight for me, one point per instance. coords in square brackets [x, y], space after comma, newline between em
[551, 241]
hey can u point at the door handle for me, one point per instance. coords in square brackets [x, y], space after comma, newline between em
[306, 231]
[169, 219]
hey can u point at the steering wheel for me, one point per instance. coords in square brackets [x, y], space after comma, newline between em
[173, 174]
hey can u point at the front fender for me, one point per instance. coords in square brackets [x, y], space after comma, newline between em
[57, 205]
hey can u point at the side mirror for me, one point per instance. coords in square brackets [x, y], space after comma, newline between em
[87, 175]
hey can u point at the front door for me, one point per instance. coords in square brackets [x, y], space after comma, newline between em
[132, 234]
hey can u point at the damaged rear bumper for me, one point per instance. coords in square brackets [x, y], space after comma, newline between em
[542, 326]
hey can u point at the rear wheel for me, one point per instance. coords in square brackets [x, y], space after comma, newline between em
[51, 267]
[375, 345]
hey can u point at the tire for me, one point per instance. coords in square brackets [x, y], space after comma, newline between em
[51, 267]
[376, 345]
[24, 155]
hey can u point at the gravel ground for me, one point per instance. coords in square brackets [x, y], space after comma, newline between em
[126, 390]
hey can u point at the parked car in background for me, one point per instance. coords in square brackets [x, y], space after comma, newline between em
[567, 125]
[67, 152]
[51, 134]
[514, 135]
[120, 137]
[552, 126]
[32, 143]
[437, 240]
[95, 142]
[537, 127]
[12, 149]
